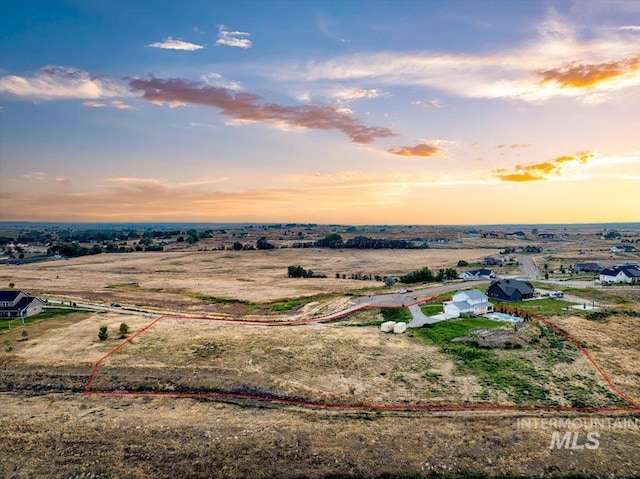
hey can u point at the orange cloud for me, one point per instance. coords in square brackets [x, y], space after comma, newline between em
[583, 76]
[422, 149]
[249, 107]
[540, 171]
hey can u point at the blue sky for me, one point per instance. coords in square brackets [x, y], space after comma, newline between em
[333, 111]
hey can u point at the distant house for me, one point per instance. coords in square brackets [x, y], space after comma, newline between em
[546, 235]
[488, 261]
[587, 268]
[468, 302]
[515, 234]
[477, 274]
[621, 274]
[623, 248]
[532, 249]
[510, 290]
[18, 304]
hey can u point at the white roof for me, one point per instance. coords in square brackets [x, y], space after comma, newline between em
[472, 294]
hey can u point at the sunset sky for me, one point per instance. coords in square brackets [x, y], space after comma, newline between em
[353, 112]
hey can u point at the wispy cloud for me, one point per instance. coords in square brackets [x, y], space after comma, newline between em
[117, 104]
[215, 79]
[247, 107]
[514, 146]
[35, 175]
[172, 44]
[608, 59]
[233, 39]
[357, 94]
[541, 171]
[422, 149]
[62, 83]
[630, 28]
[435, 103]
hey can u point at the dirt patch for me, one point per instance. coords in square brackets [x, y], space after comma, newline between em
[62, 436]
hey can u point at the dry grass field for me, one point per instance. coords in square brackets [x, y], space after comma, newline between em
[50, 429]
[193, 281]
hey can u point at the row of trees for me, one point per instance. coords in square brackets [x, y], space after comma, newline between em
[300, 272]
[72, 250]
[334, 240]
[425, 275]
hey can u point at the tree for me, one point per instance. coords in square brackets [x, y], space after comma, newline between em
[11, 285]
[180, 239]
[103, 334]
[124, 329]
[237, 246]
[25, 335]
[462, 263]
[334, 240]
[423, 275]
[389, 281]
[262, 243]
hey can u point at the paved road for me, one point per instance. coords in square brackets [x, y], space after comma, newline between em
[529, 268]
[397, 299]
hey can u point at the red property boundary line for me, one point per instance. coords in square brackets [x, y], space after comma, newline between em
[635, 407]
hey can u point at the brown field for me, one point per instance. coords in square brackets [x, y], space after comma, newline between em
[178, 281]
[50, 429]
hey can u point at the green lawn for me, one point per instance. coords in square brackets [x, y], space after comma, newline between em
[289, 305]
[431, 309]
[397, 315]
[525, 374]
[11, 323]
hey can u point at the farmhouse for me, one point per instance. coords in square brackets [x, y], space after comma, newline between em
[623, 248]
[476, 274]
[471, 302]
[587, 267]
[492, 261]
[18, 304]
[621, 274]
[510, 290]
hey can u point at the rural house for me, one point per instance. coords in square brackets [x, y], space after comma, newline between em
[18, 304]
[470, 302]
[623, 248]
[510, 290]
[492, 261]
[621, 274]
[476, 274]
[587, 268]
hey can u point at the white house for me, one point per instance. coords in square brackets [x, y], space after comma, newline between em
[17, 304]
[623, 248]
[621, 274]
[472, 301]
[477, 274]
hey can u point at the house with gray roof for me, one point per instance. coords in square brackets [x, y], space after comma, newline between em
[510, 290]
[471, 301]
[18, 304]
[621, 274]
